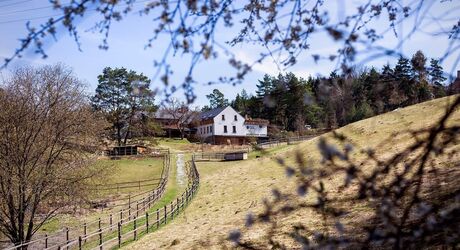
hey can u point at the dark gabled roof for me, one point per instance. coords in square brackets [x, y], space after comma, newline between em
[211, 113]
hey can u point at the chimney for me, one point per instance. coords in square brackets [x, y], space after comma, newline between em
[458, 74]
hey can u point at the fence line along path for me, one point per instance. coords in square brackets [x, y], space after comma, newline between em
[130, 230]
[136, 208]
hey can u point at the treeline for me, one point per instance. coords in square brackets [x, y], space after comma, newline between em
[294, 103]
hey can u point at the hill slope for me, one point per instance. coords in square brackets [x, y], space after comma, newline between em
[229, 190]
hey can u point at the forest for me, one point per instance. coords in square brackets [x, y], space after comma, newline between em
[293, 103]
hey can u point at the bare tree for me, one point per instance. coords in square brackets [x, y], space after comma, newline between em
[47, 129]
[181, 114]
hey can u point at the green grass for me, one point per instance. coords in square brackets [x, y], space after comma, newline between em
[123, 170]
[173, 190]
[132, 169]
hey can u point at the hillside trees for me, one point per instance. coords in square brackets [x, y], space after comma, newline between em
[124, 98]
[291, 102]
[47, 131]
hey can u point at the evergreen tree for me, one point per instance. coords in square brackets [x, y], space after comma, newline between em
[120, 96]
[265, 86]
[217, 99]
[404, 77]
[436, 78]
[240, 103]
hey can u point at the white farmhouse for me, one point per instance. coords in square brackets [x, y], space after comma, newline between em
[226, 126]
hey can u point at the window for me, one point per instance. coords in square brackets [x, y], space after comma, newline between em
[225, 129]
[223, 117]
[247, 127]
[234, 129]
[260, 126]
[236, 118]
[210, 129]
[207, 130]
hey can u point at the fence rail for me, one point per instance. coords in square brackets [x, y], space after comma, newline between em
[79, 235]
[288, 141]
[124, 231]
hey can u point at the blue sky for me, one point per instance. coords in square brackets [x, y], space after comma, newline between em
[128, 38]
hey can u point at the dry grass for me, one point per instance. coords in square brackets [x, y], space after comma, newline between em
[228, 191]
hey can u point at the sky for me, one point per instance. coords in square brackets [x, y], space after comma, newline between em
[128, 38]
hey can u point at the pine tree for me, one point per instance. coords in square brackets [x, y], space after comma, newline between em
[265, 86]
[217, 99]
[406, 85]
[436, 78]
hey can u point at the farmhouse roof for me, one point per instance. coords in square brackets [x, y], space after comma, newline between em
[211, 113]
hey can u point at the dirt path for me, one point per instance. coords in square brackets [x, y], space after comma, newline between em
[180, 170]
[228, 190]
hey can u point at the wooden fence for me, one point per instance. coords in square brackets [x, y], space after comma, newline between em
[281, 141]
[85, 232]
[129, 230]
[220, 156]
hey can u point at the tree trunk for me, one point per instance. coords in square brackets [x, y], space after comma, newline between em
[119, 135]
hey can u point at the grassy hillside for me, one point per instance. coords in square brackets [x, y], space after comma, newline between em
[229, 190]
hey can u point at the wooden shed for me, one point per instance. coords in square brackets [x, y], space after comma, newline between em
[126, 150]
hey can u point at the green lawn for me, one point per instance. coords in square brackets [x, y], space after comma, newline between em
[122, 170]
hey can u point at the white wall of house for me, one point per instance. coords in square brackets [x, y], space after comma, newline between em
[256, 130]
[232, 120]
[234, 123]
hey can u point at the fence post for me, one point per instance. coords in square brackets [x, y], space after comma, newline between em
[119, 234]
[100, 238]
[111, 222]
[172, 209]
[79, 242]
[99, 223]
[84, 230]
[67, 237]
[137, 209]
[177, 206]
[135, 230]
[165, 215]
[158, 218]
[121, 215]
[147, 222]
[46, 240]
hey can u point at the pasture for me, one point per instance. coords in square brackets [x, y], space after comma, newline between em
[230, 190]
